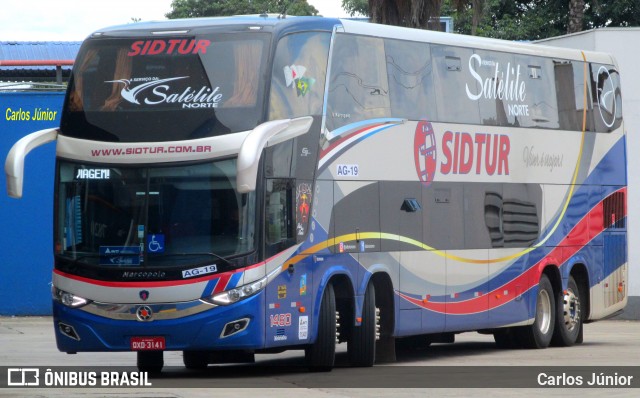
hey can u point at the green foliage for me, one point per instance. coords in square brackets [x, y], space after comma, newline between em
[613, 13]
[538, 19]
[356, 7]
[513, 20]
[502, 19]
[213, 8]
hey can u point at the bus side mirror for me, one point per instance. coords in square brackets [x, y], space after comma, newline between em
[265, 135]
[14, 165]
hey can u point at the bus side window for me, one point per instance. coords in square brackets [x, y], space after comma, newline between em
[358, 88]
[299, 73]
[452, 79]
[279, 210]
[569, 77]
[411, 87]
[539, 107]
[606, 97]
[495, 109]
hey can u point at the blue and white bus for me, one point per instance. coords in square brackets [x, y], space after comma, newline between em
[233, 186]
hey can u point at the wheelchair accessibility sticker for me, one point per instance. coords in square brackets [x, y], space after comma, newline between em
[155, 243]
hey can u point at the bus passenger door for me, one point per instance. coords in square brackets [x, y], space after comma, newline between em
[288, 295]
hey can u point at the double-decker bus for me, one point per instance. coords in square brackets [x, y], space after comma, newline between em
[233, 186]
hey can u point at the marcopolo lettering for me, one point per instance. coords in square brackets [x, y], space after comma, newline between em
[172, 46]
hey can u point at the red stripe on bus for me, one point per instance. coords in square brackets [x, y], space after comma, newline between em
[569, 246]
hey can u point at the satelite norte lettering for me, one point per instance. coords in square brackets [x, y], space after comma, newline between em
[177, 46]
[499, 86]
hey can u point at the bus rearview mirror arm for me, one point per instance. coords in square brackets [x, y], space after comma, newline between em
[14, 165]
[265, 135]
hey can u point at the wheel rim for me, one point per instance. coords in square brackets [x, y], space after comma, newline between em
[543, 311]
[571, 310]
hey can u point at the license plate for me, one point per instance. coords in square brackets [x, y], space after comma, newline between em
[147, 343]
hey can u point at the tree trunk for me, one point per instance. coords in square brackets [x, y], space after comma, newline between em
[576, 16]
[410, 13]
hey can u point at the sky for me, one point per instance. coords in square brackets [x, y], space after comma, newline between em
[74, 20]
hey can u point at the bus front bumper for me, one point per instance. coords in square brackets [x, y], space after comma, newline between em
[236, 326]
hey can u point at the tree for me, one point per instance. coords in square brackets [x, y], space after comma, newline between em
[423, 14]
[356, 7]
[576, 16]
[612, 13]
[539, 19]
[212, 8]
[409, 13]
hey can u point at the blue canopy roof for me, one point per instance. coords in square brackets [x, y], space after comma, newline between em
[37, 51]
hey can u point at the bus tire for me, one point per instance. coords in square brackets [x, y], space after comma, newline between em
[569, 316]
[361, 346]
[320, 356]
[150, 361]
[195, 360]
[539, 334]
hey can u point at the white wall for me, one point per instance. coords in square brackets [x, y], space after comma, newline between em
[622, 43]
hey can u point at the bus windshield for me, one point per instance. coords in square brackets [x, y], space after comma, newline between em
[166, 89]
[152, 216]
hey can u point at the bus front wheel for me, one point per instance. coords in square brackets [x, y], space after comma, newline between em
[320, 355]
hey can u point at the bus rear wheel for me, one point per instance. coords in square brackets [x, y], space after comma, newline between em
[320, 355]
[539, 334]
[150, 361]
[568, 316]
[361, 347]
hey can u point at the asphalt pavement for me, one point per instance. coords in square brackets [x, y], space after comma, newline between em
[609, 355]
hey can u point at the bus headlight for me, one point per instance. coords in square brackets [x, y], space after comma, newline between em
[238, 293]
[69, 299]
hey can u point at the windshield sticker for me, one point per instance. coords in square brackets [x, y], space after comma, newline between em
[119, 255]
[294, 75]
[155, 243]
[171, 46]
[208, 269]
[156, 91]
